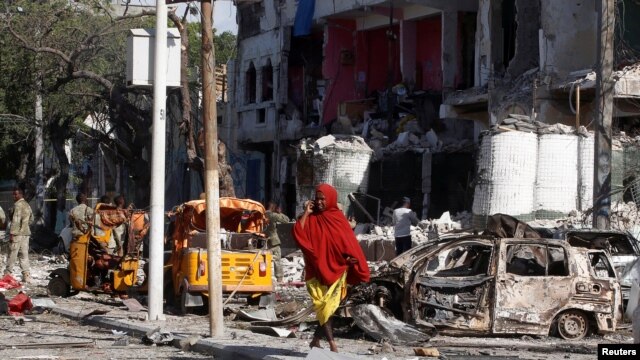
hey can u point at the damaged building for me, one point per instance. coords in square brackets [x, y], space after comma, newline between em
[422, 81]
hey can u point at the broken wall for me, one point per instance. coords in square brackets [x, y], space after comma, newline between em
[526, 50]
[568, 37]
[372, 60]
[483, 65]
[338, 72]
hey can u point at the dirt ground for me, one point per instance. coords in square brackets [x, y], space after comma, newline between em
[49, 330]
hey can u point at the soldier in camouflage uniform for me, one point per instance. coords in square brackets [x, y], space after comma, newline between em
[19, 233]
[275, 217]
[81, 217]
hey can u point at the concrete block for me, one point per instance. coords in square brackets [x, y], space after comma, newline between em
[385, 250]
[368, 248]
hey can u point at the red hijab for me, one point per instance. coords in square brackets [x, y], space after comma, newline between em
[327, 240]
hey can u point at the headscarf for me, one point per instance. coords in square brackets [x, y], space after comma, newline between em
[327, 240]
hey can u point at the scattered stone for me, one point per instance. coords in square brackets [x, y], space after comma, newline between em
[430, 351]
[158, 336]
[188, 342]
[123, 341]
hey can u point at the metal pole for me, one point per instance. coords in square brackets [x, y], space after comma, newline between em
[156, 216]
[212, 189]
[577, 107]
[603, 115]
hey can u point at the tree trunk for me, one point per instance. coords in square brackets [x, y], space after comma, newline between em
[186, 125]
[57, 142]
[226, 181]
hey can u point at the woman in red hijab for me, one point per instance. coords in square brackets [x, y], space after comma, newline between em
[333, 257]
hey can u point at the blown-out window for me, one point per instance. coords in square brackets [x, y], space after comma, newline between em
[267, 81]
[536, 260]
[250, 84]
[463, 260]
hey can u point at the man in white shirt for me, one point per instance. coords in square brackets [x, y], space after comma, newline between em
[403, 218]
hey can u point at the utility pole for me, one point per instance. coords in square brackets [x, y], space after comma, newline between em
[603, 115]
[156, 212]
[212, 190]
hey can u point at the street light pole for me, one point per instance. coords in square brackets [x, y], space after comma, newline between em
[212, 185]
[156, 216]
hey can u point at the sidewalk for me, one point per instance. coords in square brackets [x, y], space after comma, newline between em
[191, 333]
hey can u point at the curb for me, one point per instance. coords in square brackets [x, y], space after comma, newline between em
[207, 346]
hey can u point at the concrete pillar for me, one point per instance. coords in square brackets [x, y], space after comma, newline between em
[449, 50]
[483, 44]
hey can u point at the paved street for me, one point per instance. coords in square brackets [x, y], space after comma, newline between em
[70, 332]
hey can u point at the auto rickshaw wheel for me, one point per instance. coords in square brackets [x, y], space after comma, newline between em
[58, 287]
[182, 303]
[573, 325]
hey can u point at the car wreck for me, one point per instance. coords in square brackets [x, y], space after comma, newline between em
[621, 245]
[486, 284]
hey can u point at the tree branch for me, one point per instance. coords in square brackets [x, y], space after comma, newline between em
[36, 49]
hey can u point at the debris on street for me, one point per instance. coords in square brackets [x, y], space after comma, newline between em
[273, 331]
[8, 282]
[158, 336]
[382, 326]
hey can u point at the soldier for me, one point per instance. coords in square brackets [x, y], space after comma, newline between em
[81, 216]
[120, 231]
[19, 233]
[275, 217]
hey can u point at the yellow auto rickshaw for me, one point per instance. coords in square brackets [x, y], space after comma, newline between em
[246, 265]
[92, 266]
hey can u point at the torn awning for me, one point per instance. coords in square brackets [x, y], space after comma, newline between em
[304, 17]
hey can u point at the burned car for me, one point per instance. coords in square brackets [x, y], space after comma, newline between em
[621, 245]
[477, 284]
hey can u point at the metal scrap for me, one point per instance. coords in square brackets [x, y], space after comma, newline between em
[273, 331]
[49, 345]
[380, 325]
[291, 320]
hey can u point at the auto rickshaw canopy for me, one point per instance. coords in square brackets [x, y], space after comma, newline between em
[236, 215]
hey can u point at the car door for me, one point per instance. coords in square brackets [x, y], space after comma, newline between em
[532, 281]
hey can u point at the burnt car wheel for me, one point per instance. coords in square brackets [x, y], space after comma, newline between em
[58, 287]
[573, 325]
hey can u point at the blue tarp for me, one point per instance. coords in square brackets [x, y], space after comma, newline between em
[304, 17]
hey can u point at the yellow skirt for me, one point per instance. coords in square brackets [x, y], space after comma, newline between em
[327, 299]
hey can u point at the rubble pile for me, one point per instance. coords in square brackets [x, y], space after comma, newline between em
[630, 70]
[624, 217]
[622, 139]
[527, 124]
[293, 267]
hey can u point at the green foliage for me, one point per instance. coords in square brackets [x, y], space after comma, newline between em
[55, 41]
[226, 47]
